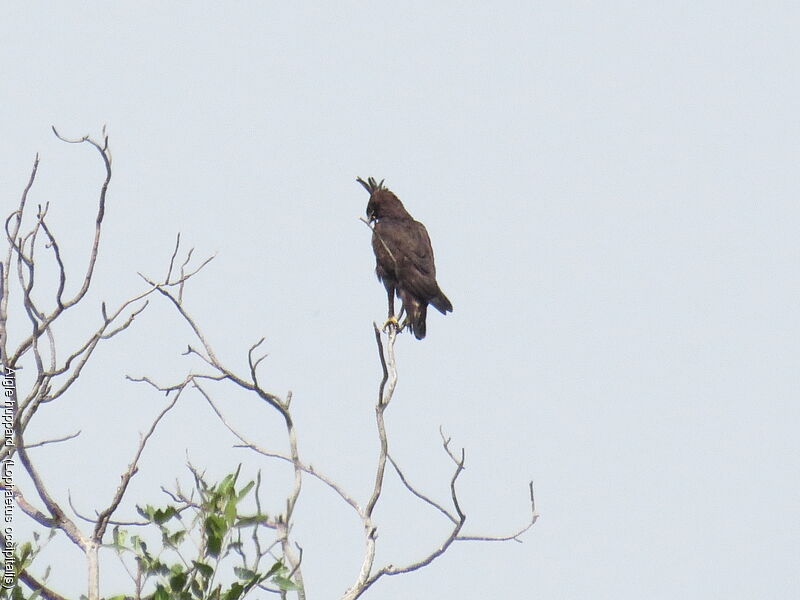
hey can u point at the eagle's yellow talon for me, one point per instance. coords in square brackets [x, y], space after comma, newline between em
[393, 322]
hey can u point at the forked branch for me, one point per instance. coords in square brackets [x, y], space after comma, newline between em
[368, 575]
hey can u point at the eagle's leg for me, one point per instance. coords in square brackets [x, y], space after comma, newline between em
[392, 320]
[402, 322]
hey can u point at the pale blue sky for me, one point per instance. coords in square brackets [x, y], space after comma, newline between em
[612, 194]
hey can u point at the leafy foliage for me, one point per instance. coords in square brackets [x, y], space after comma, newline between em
[212, 523]
[24, 555]
[210, 548]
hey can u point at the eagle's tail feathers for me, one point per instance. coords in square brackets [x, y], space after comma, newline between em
[442, 304]
[417, 321]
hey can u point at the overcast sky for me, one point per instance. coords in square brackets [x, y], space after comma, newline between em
[612, 194]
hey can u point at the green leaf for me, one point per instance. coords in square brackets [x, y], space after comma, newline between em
[175, 539]
[161, 593]
[153, 566]
[146, 512]
[285, 583]
[251, 520]
[275, 568]
[227, 484]
[215, 531]
[161, 516]
[244, 491]
[177, 582]
[139, 546]
[230, 511]
[25, 552]
[202, 568]
[119, 536]
[234, 592]
[245, 574]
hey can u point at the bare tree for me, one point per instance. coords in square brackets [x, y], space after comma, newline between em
[29, 236]
[56, 370]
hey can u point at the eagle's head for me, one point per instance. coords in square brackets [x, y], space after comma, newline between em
[382, 202]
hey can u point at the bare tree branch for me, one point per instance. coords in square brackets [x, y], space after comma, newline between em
[37, 586]
[33, 512]
[57, 515]
[306, 468]
[282, 522]
[62, 306]
[12, 230]
[419, 494]
[385, 393]
[65, 438]
[62, 274]
[101, 210]
[104, 516]
[367, 577]
[172, 258]
[506, 538]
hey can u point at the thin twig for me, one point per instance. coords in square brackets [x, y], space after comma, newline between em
[172, 258]
[419, 494]
[65, 438]
[249, 444]
[58, 517]
[104, 516]
[506, 538]
[62, 306]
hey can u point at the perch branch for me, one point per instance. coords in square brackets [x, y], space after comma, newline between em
[385, 392]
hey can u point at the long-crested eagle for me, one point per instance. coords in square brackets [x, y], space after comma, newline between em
[404, 258]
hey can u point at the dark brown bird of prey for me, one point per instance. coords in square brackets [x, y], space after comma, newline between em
[404, 258]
